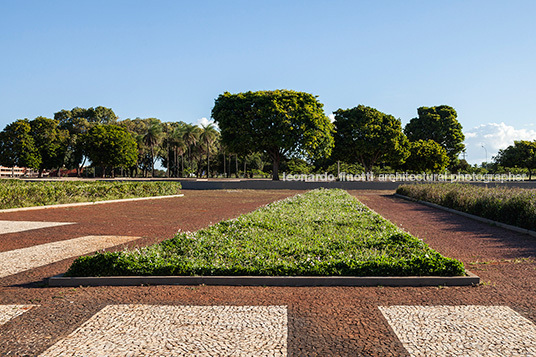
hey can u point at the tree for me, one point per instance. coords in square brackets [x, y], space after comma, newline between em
[17, 146]
[111, 146]
[521, 154]
[280, 123]
[152, 138]
[369, 136]
[426, 156]
[190, 137]
[177, 146]
[208, 136]
[438, 124]
[137, 128]
[50, 141]
[78, 121]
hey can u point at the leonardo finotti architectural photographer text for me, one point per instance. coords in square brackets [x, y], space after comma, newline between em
[424, 177]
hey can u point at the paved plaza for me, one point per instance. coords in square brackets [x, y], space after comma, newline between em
[493, 319]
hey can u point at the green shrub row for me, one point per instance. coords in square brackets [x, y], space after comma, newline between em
[17, 193]
[513, 206]
[322, 232]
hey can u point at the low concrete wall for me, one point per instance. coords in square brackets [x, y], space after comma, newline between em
[267, 184]
[469, 279]
[283, 185]
[252, 184]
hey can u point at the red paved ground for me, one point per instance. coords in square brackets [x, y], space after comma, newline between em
[340, 321]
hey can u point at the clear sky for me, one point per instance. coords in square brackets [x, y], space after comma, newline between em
[171, 59]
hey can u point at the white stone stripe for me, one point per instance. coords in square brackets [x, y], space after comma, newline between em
[18, 260]
[20, 226]
[7, 312]
[161, 330]
[471, 330]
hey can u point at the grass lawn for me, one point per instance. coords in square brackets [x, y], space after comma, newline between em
[322, 232]
[515, 206]
[18, 193]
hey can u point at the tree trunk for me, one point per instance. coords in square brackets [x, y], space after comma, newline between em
[167, 173]
[224, 172]
[152, 162]
[245, 167]
[275, 171]
[236, 162]
[79, 167]
[208, 161]
[275, 167]
[176, 162]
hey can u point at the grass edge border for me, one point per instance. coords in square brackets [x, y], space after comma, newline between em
[77, 204]
[471, 216]
[289, 281]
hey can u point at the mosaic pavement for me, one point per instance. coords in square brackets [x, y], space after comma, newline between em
[164, 330]
[19, 260]
[8, 312]
[154, 330]
[462, 330]
[20, 226]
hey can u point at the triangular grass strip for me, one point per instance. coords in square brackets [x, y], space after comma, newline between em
[320, 233]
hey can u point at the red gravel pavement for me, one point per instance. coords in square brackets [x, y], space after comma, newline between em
[339, 321]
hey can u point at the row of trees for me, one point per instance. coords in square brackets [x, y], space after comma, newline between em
[74, 136]
[292, 124]
[520, 155]
[279, 129]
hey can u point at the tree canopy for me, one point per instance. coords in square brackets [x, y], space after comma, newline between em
[50, 141]
[439, 124]
[370, 136]
[78, 121]
[522, 154]
[109, 145]
[280, 123]
[426, 156]
[17, 145]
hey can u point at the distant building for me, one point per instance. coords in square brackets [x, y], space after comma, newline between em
[17, 172]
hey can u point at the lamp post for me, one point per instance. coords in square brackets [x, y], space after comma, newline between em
[486, 151]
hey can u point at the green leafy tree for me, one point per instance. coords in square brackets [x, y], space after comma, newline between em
[111, 146]
[17, 146]
[441, 125]
[177, 147]
[426, 156]
[280, 123]
[369, 136]
[50, 141]
[138, 128]
[191, 137]
[299, 166]
[522, 154]
[152, 139]
[78, 121]
[208, 137]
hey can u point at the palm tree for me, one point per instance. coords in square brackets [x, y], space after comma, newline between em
[166, 145]
[178, 144]
[190, 137]
[152, 138]
[208, 136]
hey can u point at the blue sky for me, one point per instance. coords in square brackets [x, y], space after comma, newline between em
[171, 59]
